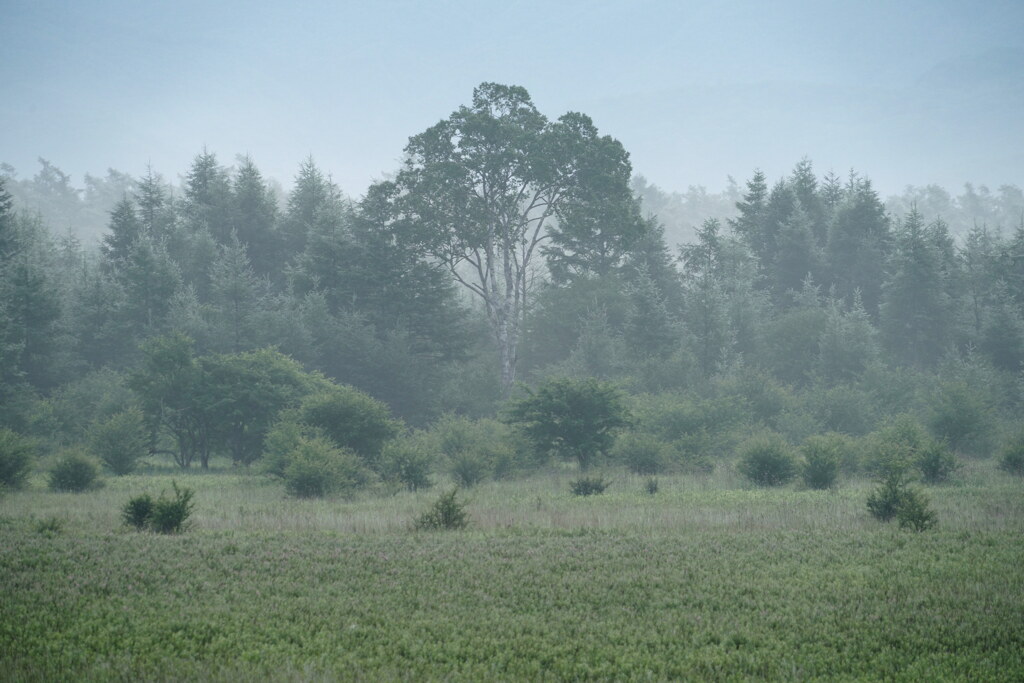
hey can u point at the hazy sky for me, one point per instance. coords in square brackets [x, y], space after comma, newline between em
[908, 92]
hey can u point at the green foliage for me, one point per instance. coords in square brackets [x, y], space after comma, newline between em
[651, 486]
[936, 462]
[446, 513]
[120, 440]
[896, 499]
[170, 515]
[475, 450]
[138, 511]
[962, 417]
[73, 472]
[318, 468]
[766, 460]
[885, 501]
[895, 447]
[16, 455]
[407, 461]
[352, 420]
[589, 486]
[820, 467]
[575, 419]
[914, 511]
[1011, 460]
[642, 453]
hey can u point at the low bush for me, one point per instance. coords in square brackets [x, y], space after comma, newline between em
[641, 453]
[895, 499]
[652, 486]
[914, 511]
[170, 515]
[50, 527]
[317, 468]
[16, 454]
[936, 462]
[767, 461]
[894, 447]
[589, 486]
[820, 467]
[74, 473]
[1011, 460]
[447, 513]
[120, 441]
[407, 462]
[137, 511]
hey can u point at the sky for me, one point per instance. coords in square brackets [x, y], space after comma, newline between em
[908, 93]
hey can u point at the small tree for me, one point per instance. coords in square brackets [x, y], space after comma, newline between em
[446, 513]
[170, 515]
[120, 440]
[576, 419]
[406, 462]
[936, 462]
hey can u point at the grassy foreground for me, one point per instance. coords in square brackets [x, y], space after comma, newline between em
[705, 579]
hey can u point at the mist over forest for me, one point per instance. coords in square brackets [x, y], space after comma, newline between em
[782, 384]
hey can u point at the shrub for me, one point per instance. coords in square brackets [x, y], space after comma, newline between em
[589, 486]
[120, 440]
[895, 499]
[936, 462]
[170, 515]
[1012, 459]
[914, 512]
[446, 513]
[137, 511]
[476, 450]
[407, 462]
[820, 466]
[652, 486]
[641, 453]
[766, 460]
[895, 446]
[73, 473]
[884, 502]
[352, 420]
[576, 419]
[16, 453]
[960, 415]
[317, 468]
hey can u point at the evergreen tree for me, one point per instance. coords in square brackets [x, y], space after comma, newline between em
[859, 241]
[208, 198]
[125, 230]
[235, 293]
[310, 194]
[915, 318]
[255, 219]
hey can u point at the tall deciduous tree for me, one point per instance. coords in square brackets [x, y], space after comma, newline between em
[481, 190]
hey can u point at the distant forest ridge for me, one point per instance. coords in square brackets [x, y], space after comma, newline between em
[83, 211]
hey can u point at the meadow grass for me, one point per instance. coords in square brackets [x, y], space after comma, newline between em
[707, 579]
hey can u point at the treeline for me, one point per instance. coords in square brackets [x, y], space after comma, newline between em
[811, 309]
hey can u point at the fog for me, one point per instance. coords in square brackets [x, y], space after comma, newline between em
[927, 93]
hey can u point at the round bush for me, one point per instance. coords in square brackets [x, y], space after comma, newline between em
[820, 466]
[16, 453]
[936, 462]
[317, 468]
[641, 453]
[766, 461]
[1012, 459]
[74, 473]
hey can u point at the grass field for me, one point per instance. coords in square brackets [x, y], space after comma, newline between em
[707, 579]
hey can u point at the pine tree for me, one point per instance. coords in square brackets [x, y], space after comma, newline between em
[255, 219]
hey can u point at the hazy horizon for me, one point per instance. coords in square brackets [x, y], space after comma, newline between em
[929, 92]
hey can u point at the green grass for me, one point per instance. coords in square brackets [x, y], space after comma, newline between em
[706, 579]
